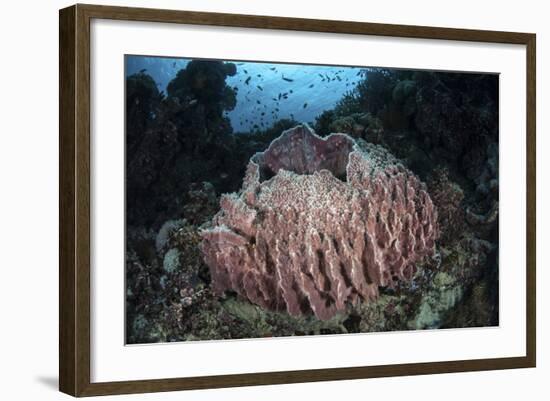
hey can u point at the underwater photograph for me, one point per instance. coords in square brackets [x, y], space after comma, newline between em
[268, 199]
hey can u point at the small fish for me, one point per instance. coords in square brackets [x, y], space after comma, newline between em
[245, 71]
[338, 77]
[287, 79]
[259, 75]
[247, 80]
[193, 102]
[260, 88]
[273, 68]
[279, 98]
[290, 91]
[305, 105]
[274, 99]
[142, 70]
[321, 75]
[358, 73]
[257, 101]
[292, 116]
[311, 86]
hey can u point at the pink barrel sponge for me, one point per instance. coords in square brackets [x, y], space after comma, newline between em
[319, 223]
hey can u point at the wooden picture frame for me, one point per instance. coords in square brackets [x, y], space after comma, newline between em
[74, 204]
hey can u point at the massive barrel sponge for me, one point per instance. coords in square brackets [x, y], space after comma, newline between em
[318, 223]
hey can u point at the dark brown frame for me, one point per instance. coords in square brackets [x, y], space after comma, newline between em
[74, 199]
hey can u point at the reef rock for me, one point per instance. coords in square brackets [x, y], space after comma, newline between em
[319, 223]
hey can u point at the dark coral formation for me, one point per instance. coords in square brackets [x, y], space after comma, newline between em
[306, 241]
[447, 197]
[428, 118]
[171, 140]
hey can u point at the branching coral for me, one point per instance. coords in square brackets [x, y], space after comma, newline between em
[319, 223]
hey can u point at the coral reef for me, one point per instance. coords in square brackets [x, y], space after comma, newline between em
[445, 295]
[200, 203]
[182, 153]
[447, 197]
[319, 223]
[176, 139]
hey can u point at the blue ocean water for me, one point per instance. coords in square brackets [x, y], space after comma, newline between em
[266, 92]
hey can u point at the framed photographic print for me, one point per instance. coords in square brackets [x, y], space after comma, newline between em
[250, 200]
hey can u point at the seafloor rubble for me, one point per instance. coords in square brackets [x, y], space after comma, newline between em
[182, 156]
